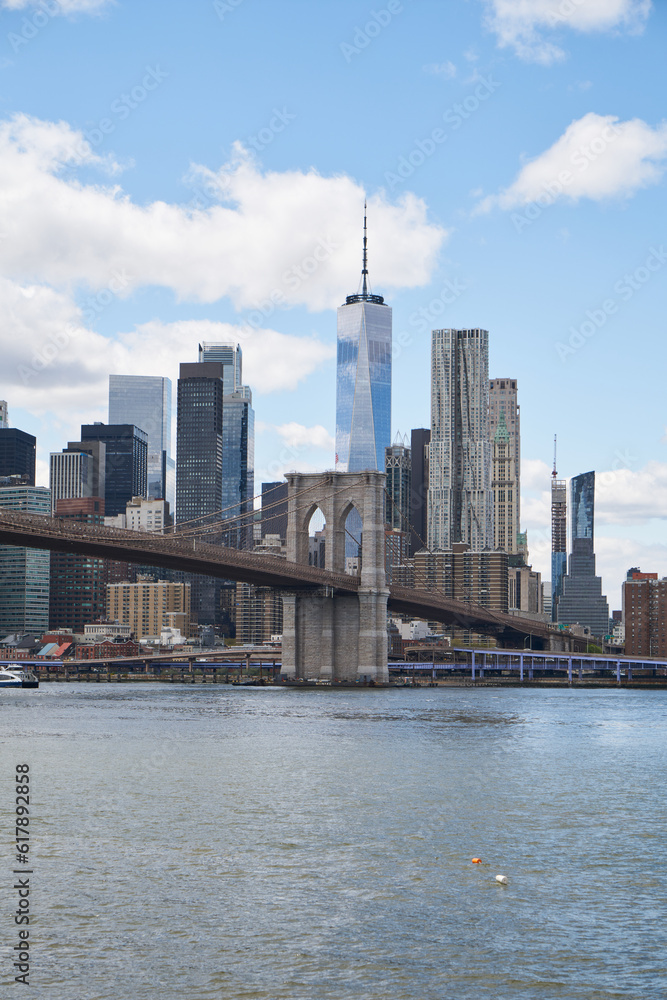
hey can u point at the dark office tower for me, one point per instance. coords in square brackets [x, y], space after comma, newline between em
[199, 445]
[238, 445]
[199, 442]
[398, 469]
[274, 510]
[17, 454]
[238, 466]
[581, 600]
[145, 401]
[78, 583]
[420, 438]
[126, 467]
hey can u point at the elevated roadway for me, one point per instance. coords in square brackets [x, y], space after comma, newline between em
[188, 554]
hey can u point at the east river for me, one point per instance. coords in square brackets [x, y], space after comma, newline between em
[272, 844]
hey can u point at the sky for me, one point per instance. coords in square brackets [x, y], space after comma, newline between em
[174, 172]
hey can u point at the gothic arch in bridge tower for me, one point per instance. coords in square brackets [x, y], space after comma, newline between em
[326, 635]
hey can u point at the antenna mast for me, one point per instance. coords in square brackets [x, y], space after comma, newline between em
[554, 473]
[364, 269]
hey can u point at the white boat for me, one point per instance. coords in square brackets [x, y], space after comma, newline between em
[16, 676]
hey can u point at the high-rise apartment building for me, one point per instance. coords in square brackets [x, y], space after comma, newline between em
[126, 462]
[148, 606]
[142, 515]
[503, 404]
[145, 401]
[558, 538]
[420, 438]
[460, 499]
[17, 453]
[581, 600]
[503, 484]
[645, 614]
[4, 415]
[24, 573]
[363, 378]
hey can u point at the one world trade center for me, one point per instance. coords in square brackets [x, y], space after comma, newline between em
[363, 379]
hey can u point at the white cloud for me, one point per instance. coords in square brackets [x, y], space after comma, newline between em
[446, 69]
[625, 496]
[597, 157]
[53, 363]
[295, 235]
[535, 474]
[520, 24]
[54, 7]
[297, 435]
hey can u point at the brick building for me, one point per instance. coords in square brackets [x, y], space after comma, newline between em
[645, 607]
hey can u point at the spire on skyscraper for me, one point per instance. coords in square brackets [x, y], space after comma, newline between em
[365, 295]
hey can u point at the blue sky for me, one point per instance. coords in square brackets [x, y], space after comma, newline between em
[168, 170]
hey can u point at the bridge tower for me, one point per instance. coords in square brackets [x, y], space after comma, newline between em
[328, 636]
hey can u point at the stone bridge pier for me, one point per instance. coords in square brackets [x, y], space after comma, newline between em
[329, 636]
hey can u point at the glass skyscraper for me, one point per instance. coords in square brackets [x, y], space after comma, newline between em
[238, 442]
[581, 601]
[363, 379]
[231, 356]
[24, 573]
[145, 401]
[126, 462]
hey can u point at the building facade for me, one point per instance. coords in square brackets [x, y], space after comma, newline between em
[77, 472]
[78, 583]
[558, 540]
[503, 401]
[17, 453]
[238, 467]
[24, 573]
[398, 469]
[504, 486]
[363, 379]
[4, 417]
[126, 462]
[199, 442]
[420, 438]
[581, 600]
[274, 510]
[148, 606]
[230, 356]
[645, 609]
[142, 515]
[145, 401]
[460, 499]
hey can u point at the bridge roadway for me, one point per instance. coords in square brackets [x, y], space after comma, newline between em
[191, 555]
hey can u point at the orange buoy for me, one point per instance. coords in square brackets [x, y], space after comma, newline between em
[477, 861]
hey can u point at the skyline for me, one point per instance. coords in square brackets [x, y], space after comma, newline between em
[201, 232]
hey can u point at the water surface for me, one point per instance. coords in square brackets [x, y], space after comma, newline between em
[272, 844]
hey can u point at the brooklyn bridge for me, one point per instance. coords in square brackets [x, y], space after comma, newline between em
[323, 600]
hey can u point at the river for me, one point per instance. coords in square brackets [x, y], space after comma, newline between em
[277, 844]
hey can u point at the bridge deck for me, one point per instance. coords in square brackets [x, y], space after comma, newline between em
[194, 556]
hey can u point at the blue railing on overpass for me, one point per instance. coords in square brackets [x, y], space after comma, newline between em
[524, 663]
